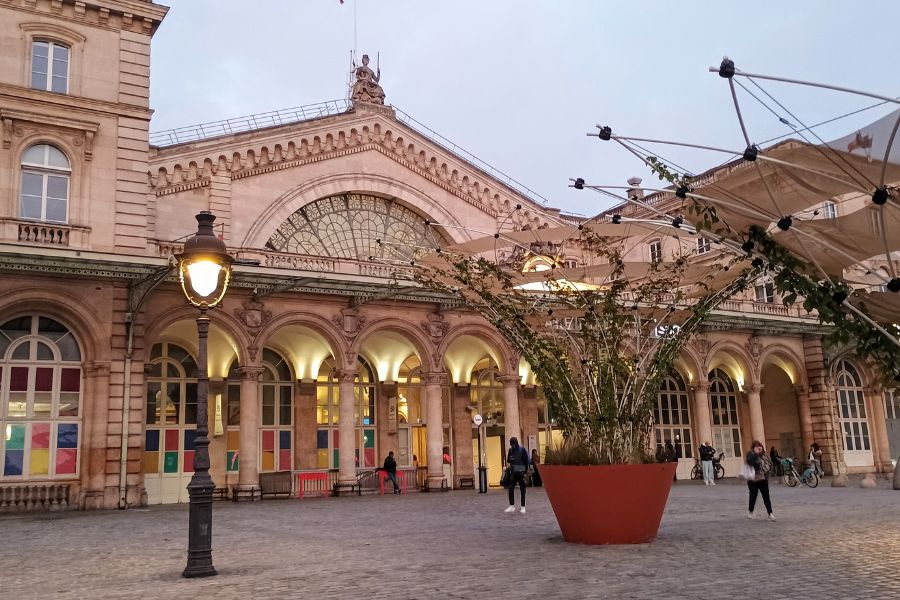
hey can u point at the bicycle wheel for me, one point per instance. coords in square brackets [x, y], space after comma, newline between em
[719, 472]
[811, 479]
[696, 472]
[791, 478]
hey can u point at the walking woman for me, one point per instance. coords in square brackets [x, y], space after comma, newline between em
[759, 483]
[517, 461]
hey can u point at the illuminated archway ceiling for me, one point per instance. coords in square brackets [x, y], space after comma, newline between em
[221, 348]
[355, 226]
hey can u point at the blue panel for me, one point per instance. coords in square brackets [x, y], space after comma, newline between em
[12, 465]
[322, 439]
[189, 435]
[151, 440]
[284, 440]
[67, 435]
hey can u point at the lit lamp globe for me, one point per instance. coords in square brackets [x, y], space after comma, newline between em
[204, 267]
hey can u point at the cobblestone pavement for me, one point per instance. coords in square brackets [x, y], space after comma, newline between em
[827, 543]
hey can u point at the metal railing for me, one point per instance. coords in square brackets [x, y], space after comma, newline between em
[194, 133]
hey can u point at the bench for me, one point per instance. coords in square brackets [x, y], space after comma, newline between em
[338, 487]
[466, 483]
[220, 493]
[275, 484]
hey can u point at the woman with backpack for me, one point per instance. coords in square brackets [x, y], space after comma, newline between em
[757, 469]
[517, 463]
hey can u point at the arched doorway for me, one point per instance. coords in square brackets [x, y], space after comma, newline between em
[486, 394]
[781, 414]
[672, 420]
[328, 414]
[726, 425]
[853, 416]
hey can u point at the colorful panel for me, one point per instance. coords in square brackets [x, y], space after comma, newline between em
[151, 441]
[40, 462]
[336, 454]
[284, 440]
[170, 462]
[233, 440]
[268, 461]
[67, 461]
[335, 439]
[188, 466]
[18, 379]
[15, 437]
[12, 462]
[151, 462]
[43, 379]
[67, 435]
[70, 380]
[322, 439]
[284, 460]
[322, 458]
[268, 441]
[40, 435]
[172, 440]
[368, 438]
[189, 436]
[233, 460]
[369, 455]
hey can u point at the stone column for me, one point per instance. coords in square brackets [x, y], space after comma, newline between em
[434, 419]
[511, 407]
[757, 429]
[881, 450]
[346, 428]
[305, 425]
[463, 459]
[806, 428]
[96, 389]
[248, 457]
[702, 422]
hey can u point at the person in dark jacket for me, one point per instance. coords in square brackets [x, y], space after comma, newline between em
[762, 466]
[517, 463]
[707, 454]
[390, 467]
[776, 461]
[535, 476]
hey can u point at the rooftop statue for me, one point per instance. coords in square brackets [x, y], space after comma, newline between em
[366, 88]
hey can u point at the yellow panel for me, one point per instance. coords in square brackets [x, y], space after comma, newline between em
[322, 458]
[493, 449]
[40, 462]
[268, 461]
[151, 462]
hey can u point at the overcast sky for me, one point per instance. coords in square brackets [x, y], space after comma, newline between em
[518, 83]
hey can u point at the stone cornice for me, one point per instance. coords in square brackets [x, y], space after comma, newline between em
[39, 99]
[117, 15]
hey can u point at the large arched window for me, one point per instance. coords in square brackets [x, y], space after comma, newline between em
[726, 427]
[171, 410]
[486, 391]
[44, 194]
[671, 416]
[852, 408]
[276, 419]
[411, 414]
[327, 415]
[40, 399]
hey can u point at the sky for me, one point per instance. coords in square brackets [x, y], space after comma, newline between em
[520, 83]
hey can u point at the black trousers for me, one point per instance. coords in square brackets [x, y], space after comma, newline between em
[516, 478]
[760, 487]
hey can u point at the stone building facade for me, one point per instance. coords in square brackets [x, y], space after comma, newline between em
[98, 345]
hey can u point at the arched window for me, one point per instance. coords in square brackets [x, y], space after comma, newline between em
[40, 399]
[49, 66]
[671, 416]
[276, 393]
[44, 194]
[411, 415]
[233, 418]
[327, 415]
[726, 428]
[486, 391]
[852, 408]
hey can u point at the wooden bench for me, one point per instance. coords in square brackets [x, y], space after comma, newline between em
[275, 484]
[338, 487]
[467, 483]
[220, 493]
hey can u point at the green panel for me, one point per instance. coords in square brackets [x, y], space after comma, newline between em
[233, 461]
[368, 438]
[15, 437]
[337, 458]
[171, 463]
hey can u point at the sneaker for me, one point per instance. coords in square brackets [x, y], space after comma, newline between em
[510, 509]
[712, 483]
[523, 510]
[705, 483]
[772, 517]
[750, 515]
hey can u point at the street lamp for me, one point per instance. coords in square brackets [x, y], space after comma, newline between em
[204, 269]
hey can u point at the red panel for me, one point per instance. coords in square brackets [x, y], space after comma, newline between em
[369, 454]
[335, 439]
[66, 461]
[70, 380]
[171, 440]
[18, 379]
[43, 379]
[188, 461]
[284, 460]
[40, 435]
[268, 441]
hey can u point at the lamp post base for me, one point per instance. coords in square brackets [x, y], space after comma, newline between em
[199, 562]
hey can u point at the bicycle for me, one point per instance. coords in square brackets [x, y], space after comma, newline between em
[718, 469]
[792, 477]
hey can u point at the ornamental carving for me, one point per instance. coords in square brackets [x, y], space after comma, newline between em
[355, 226]
[349, 321]
[253, 316]
[435, 327]
[250, 373]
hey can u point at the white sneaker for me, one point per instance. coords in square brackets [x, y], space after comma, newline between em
[712, 483]
[510, 509]
[523, 512]
[750, 515]
[772, 517]
[705, 483]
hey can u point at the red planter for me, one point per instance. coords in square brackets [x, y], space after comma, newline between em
[609, 504]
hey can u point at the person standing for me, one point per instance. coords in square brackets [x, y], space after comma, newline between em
[759, 484]
[390, 467]
[517, 463]
[535, 475]
[707, 454]
[815, 459]
[776, 461]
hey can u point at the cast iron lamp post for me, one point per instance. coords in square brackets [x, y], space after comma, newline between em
[204, 269]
